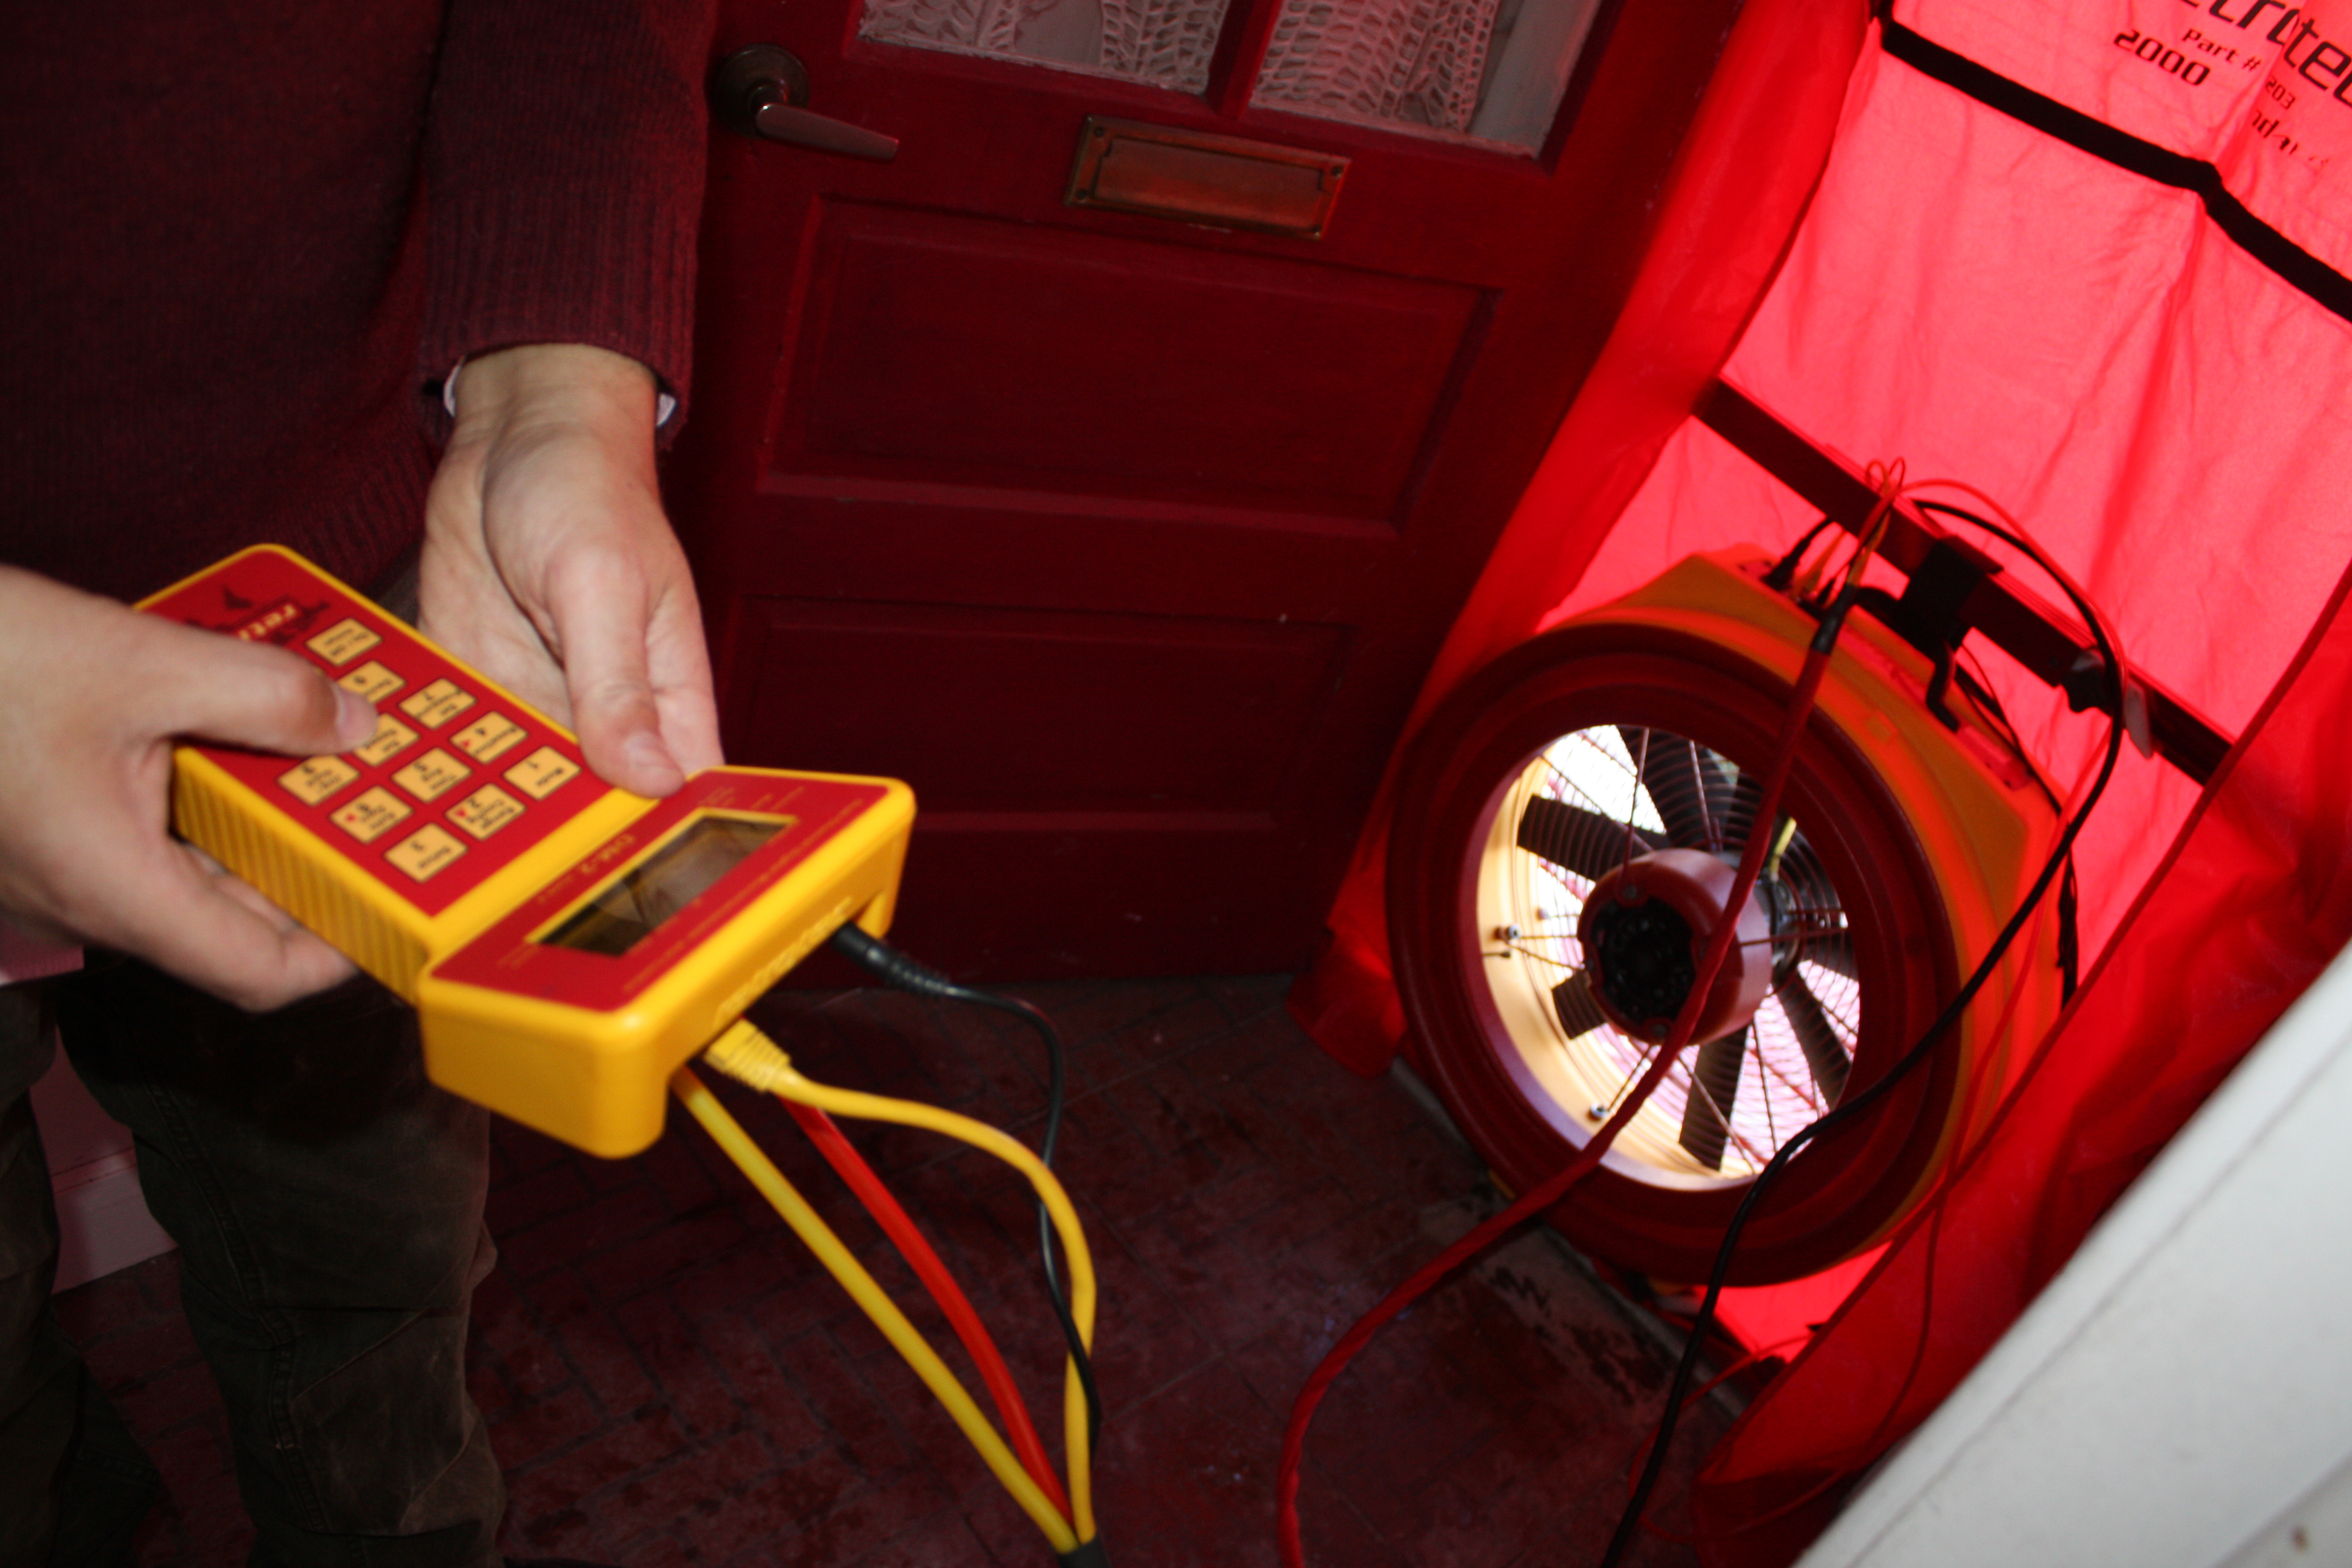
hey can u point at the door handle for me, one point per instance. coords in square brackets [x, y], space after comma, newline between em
[761, 92]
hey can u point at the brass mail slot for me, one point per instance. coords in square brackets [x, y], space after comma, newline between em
[1221, 181]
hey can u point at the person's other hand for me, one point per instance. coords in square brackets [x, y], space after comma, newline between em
[91, 696]
[549, 565]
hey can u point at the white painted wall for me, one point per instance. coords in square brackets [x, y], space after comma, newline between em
[2182, 1394]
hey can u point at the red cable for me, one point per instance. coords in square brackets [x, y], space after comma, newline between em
[844, 1157]
[1548, 1192]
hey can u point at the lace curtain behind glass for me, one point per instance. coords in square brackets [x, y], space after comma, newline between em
[1419, 62]
[1167, 42]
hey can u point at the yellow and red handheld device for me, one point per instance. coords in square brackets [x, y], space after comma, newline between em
[567, 944]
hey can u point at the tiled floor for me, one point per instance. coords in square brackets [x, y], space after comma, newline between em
[670, 1379]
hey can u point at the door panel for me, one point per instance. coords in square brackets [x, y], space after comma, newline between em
[1136, 371]
[1125, 541]
[1183, 714]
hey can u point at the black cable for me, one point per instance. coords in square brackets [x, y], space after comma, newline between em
[895, 969]
[1785, 569]
[1630, 1521]
[2070, 939]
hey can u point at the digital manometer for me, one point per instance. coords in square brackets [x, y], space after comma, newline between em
[566, 944]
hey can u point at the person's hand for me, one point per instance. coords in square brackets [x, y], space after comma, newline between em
[91, 696]
[550, 567]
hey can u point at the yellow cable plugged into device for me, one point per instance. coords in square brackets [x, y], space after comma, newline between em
[744, 1053]
[820, 1239]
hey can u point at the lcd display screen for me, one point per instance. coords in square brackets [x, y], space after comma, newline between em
[634, 905]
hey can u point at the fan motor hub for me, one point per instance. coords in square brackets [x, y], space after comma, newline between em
[1645, 928]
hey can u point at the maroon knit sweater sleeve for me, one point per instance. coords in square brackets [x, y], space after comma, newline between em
[563, 175]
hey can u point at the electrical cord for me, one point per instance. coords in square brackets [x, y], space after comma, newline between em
[2060, 855]
[843, 1264]
[842, 1156]
[896, 969]
[742, 1052]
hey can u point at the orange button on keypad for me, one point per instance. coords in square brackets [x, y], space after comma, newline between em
[542, 773]
[486, 811]
[391, 737]
[426, 851]
[342, 642]
[436, 704]
[373, 681]
[430, 776]
[372, 814]
[489, 738]
[313, 782]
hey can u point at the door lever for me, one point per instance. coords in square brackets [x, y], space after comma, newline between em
[760, 92]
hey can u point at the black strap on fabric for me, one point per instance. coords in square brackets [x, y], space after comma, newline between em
[2294, 265]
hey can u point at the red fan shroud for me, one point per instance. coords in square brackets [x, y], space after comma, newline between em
[1565, 829]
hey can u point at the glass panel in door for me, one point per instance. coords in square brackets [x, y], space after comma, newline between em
[1165, 42]
[1490, 70]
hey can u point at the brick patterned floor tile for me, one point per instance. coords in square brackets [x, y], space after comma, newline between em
[672, 1380]
[832, 1386]
[527, 1434]
[486, 1386]
[848, 1529]
[552, 1189]
[940, 1539]
[687, 1485]
[619, 1450]
[585, 1232]
[534, 1368]
[1209, 1506]
[662, 1255]
[1245, 997]
[672, 1352]
[769, 1399]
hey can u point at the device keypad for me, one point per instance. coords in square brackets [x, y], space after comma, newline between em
[391, 737]
[486, 811]
[489, 738]
[459, 779]
[437, 703]
[373, 681]
[343, 642]
[542, 773]
[444, 780]
[318, 780]
[429, 849]
[372, 815]
[432, 775]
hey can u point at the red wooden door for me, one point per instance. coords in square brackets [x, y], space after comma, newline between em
[1126, 538]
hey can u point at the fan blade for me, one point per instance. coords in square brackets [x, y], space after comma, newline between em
[1825, 1057]
[1735, 814]
[1833, 949]
[1674, 774]
[1578, 1013]
[1706, 1116]
[1575, 839]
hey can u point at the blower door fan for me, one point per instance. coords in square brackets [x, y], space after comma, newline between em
[1566, 825]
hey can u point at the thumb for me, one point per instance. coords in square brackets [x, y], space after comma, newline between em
[614, 705]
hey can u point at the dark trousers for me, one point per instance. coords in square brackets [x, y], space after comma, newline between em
[326, 1200]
